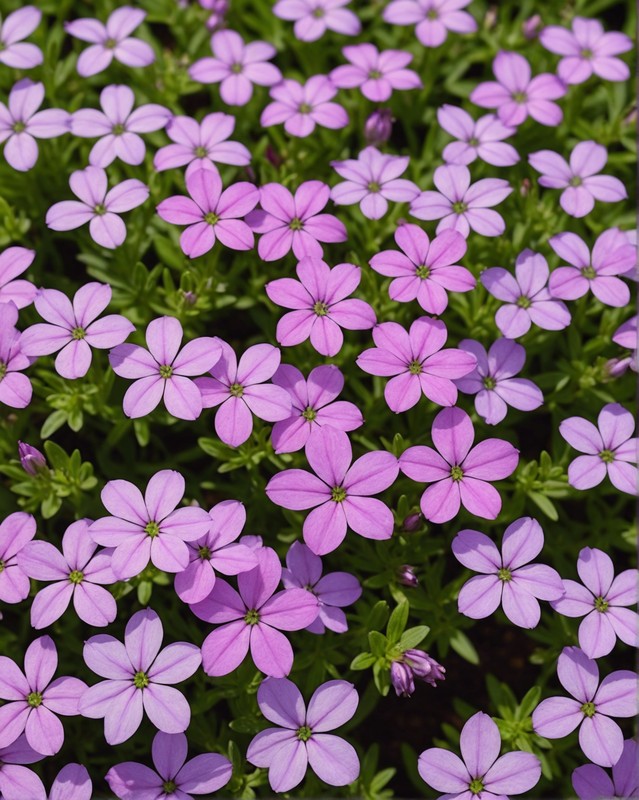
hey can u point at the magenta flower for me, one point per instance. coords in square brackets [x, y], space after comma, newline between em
[333, 591]
[321, 305]
[13, 262]
[139, 678]
[217, 551]
[240, 390]
[460, 206]
[164, 372]
[301, 737]
[526, 297]
[254, 619]
[376, 73]
[424, 270]
[97, 206]
[71, 783]
[13, 29]
[609, 447]
[432, 18]
[493, 382]
[16, 781]
[587, 49]
[33, 699]
[458, 473]
[110, 41]
[21, 124]
[236, 67]
[313, 406]
[516, 95]
[372, 179]
[339, 493]
[591, 782]
[303, 106]
[149, 528]
[314, 17]
[481, 771]
[16, 531]
[580, 179]
[481, 139]
[589, 708]
[417, 362]
[15, 388]
[173, 774]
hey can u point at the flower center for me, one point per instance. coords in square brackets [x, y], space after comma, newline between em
[304, 733]
[204, 553]
[601, 605]
[473, 141]
[374, 187]
[575, 181]
[374, 74]
[523, 301]
[432, 14]
[588, 709]
[140, 680]
[211, 218]
[252, 617]
[456, 473]
[78, 333]
[236, 389]
[34, 699]
[607, 456]
[320, 308]
[118, 129]
[459, 207]
[338, 494]
[110, 44]
[296, 224]
[520, 97]
[237, 68]
[489, 383]
[152, 529]
[305, 108]
[309, 413]
[169, 787]
[589, 272]
[166, 370]
[318, 13]
[3, 370]
[19, 127]
[505, 575]
[586, 53]
[100, 209]
[476, 786]
[76, 576]
[201, 152]
[1, 565]
[422, 271]
[415, 368]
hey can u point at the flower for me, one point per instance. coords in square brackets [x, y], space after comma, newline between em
[15, 388]
[303, 106]
[98, 207]
[460, 206]
[240, 390]
[74, 328]
[333, 591]
[339, 493]
[33, 699]
[609, 447]
[15, 27]
[481, 139]
[482, 772]
[16, 781]
[516, 95]
[15, 531]
[425, 269]
[32, 460]
[139, 678]
[164, 372]
[526, 297]
[118, 126]
[458, 473]
[375, 73]
[590, 707]
[150, 527]
[13, 262]
[432, 18]
[313, 406]
[626, 336]
[401, 678]
[71, 783]
[173, 774]
[413, 664]
[602, 601]
[372, 179]
[492, 380]
[591, 782]
[580, 179]
[111, 41]
[254, 619]
[236, 67]
[314, 17]
[321, 304]
[506, 578]
[407, 577]
[301, 737]
[378, 127]
[21, 124]
[294, 221]
[587, 49]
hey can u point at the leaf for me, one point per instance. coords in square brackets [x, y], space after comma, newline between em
[546, 505]
[462, 645]
[413, 636]
[397, 622]
[56, 455]
[145, 588]
[378, 643]
[363, 661]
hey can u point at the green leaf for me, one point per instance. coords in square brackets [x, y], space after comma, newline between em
[462, 645]
[397, 622]
[546, 505]
[529, 702]
[363, 661]
[144, 592]
[56, 455]
[378, 643]
[52, 423]
[413, 636]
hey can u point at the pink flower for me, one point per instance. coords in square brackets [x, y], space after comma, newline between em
[481, 139]
[15, 27]
[16, 781]
[13, 262]
[71, 783]
[314, 17]
[303, 106]
[432, 18]
[459, 472]
[16, 531]
[15, 388]
[591, 782]
[375, 73]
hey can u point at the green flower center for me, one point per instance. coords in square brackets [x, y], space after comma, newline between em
[489, 383]
[456, 473]
[3, 370]
[236, 389]
[140, 680]
[296, 224]
[588, 709]
[169, 787]
[18, 127]
[201, 152]
[459, 207]
[211, 218]
[110, 43]
[374, 74]
[304, 733]
[78, 333]
[76, 576]
[374, 187]
[575, 181]
[237, 68]
[432, 14]
[1, 565]
[166, 370]
[589, 272]
[252, 617]
[415, 368]
[586, 53]
[309, 414]
[523, 301]
[601, 605]
[100, 209]
[338, 494]
[423, 271]
[305, 108]
[118, 129]
[520, 97]
[476, 786]
[607, 456]
[152, 529]
[34, 699]
[320, 308]
[204, 553]
[505, 575]
[473, 141]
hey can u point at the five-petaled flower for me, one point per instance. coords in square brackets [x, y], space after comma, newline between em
[432, 18]
[15, 27]
[314, 17]
[476, 139]
[376, 73]
[13, 262]
[303, 106]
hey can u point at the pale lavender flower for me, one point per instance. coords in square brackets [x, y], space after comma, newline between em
[476, 139]
[423, 667]
[625, 336]
[15, 388]
[16, 781]
[13, 29]
[432, 18]
[303, 106]
[16, 531]
[13, 262]
[314, 17]
[32, 460]
[591, 782]
[376, 73]
[71, 783]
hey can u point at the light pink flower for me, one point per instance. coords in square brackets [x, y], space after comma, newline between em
[15, 388]
[303, 106]
[13, 262]
[314, 17]
[476, 139]
[376, 73]
[432, 18]
[17, 26]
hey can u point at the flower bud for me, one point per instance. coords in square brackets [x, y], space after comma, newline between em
[406, 576]
[424, 667]
[190, 298]
[402, 679]
[378, 127]
[531, 26]
[412, 523]
[32, 460]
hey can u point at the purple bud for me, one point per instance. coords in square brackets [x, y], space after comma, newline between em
[524, 188]
[412, 523]
[273, 156]
[190, 298]
[424, 667]
[616, 367]
[402, 679]
[32, 460]
[531, 26]
[378, 127]
[406, 576]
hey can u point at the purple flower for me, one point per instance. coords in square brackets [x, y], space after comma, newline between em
[13, 262]
[589, 708]
[15, 388]
[164, 372]
[254, 619]
[288, 221]
[236, 67]
[74, 328]
[313, 406]
[425, 270]
[71, 783]
[591, 782]
[526, 297]
[303, 106]
[149, 528]
[139, 677]
[460, 206]
[21, 124]
[506, 578]
[481, 771]
[333, 591]
[372, 179]
[110, 41]
[16, 781]
[432, 18]
[417, 361]
[625, 336]
[401, 678]
[32, 460]
[481, 139]
[16, 531]
[301, 737]
[580, 179]
[15, 27]
[609, 447]
[33, 699]
[321, 305]
[378, 127]
[423, 667]
[493, 382]
[458, 473]
[97, 206]
[314, 17]
[376, 73]
[407, 577]
[339, 493]
[173, 775]
[516, 95]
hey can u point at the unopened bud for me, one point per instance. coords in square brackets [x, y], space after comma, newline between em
[424, 667]
[401, 677]
[378, 127]
[32, 460]
[412, 523]
[406, 576]
[532, 26]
